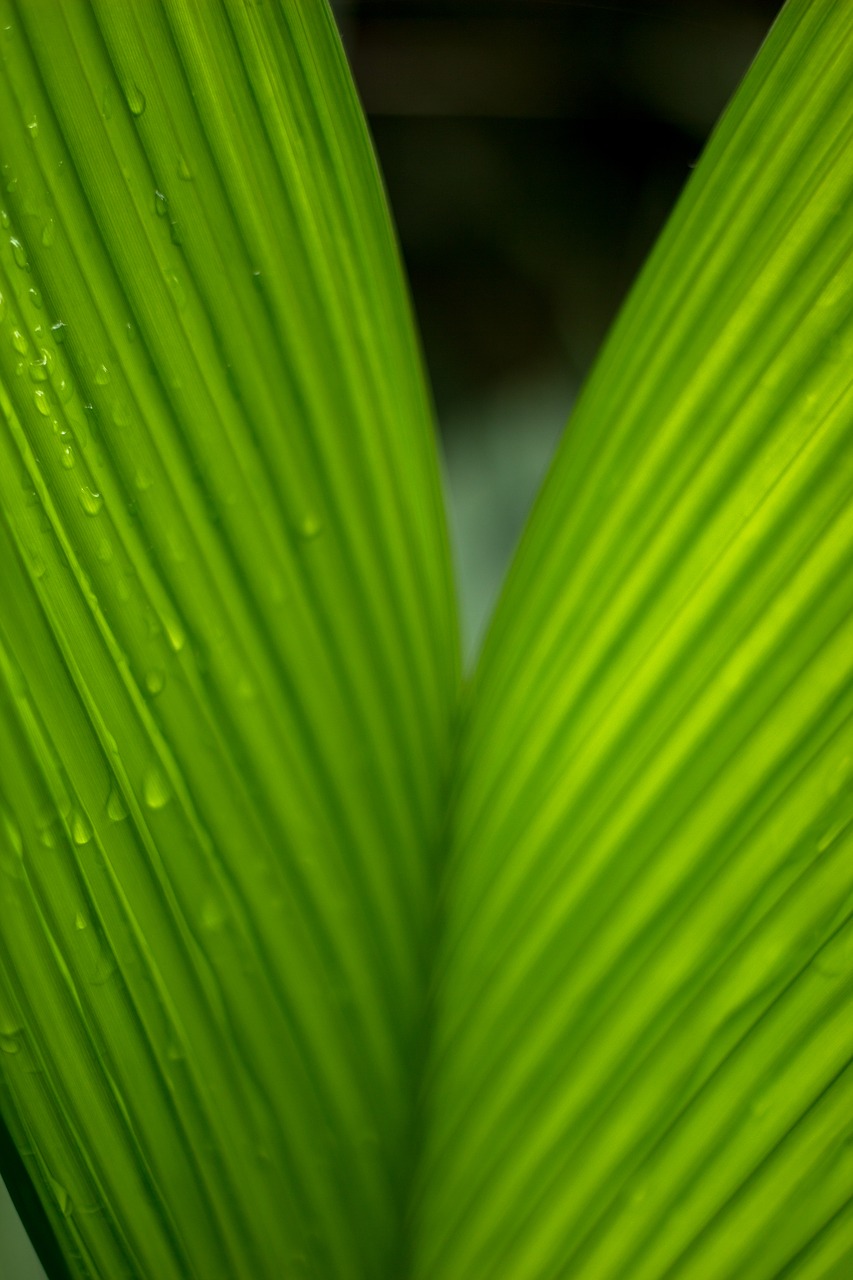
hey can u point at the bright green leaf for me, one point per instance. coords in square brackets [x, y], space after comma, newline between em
[227, 646]
[228, 681]
[644, 992]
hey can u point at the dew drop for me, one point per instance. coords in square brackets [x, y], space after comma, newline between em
[105, 551]
[9, 1044]
[142, 480]
[67, 457]
[5, 220]
[184, 171]
[2, 307]
[33, 126]
[174, 634]
[161, 204]
[42, 403]
[61, 1197]
[19, 253]
[19, 342]
[13, 835]
[48, 233]
[154, 681]
[58, 330]
[38, 566]
[116, 808]
[81, 831]
[135, 99]
[47, 834]
[90, 501]
[120, 415]
[38, 370]
[155, 789]
[80, 922]
[35, 298]
[102, 375]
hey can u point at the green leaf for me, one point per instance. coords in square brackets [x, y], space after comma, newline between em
[641, 1061]
[228, 651]
[228, 677]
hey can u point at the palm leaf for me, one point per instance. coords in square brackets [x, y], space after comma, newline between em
[641, 1061]
[227, 645]
[229, 662]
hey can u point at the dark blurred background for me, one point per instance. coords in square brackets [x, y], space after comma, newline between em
[532, 150]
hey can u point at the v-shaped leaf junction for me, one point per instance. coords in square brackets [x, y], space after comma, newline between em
[314, 962]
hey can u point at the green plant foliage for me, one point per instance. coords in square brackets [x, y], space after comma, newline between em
[312, 961]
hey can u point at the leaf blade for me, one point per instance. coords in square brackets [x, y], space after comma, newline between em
[229, 659]
[648, 856]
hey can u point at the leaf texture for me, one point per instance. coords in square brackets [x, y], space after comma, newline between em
[228, 651]
[643, 1006]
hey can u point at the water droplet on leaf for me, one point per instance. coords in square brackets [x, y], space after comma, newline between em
[90, 501]
[155, 789]
[19, 253]
[154, 682]
[61, 1197]
[174, 634]
[135, 99]
[116, 809]
[81, 830]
